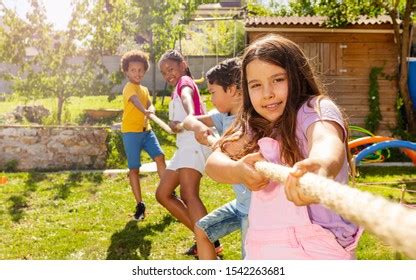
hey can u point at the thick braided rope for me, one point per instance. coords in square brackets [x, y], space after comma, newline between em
[391, 222]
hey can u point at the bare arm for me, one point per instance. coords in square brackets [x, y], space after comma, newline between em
[187, 101]
[326, 158]
[223, 169]
[200, 125]
[188, 105]
[135, 100]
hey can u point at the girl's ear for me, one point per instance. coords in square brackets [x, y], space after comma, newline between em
[183, 65]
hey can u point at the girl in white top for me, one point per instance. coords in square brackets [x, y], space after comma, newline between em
[187, 165]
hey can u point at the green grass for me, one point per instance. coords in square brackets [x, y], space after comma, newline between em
[75, 106]
[86, 215]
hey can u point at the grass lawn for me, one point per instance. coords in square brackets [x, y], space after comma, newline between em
[87, 215]
[74, 107]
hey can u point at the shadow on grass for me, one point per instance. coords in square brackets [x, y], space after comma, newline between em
[74, 180]
[64, 189]
[16, 210]
[19, 202]
[124, 243]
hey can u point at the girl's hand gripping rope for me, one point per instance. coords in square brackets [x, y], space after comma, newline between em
[292, 189]
[250, 177]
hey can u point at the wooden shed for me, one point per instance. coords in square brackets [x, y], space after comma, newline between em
[344, 57]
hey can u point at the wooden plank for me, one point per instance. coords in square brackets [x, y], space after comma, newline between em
[338, 37]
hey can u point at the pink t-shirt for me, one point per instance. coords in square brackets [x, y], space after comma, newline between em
[186, 81]
[345, 231]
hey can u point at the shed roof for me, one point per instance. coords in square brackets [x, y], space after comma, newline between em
[313, 21]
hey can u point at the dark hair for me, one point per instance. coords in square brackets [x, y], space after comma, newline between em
[134, 56]
[226, 73]
[302, 85]
[175, 56]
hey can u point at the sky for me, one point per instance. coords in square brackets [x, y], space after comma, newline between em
[58, 12]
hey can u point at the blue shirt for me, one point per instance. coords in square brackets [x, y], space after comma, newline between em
[222, 122]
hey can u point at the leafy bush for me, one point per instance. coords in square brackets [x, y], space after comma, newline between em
[116, 156]
[11, 165]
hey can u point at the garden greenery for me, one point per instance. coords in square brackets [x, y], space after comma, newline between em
[372, 121]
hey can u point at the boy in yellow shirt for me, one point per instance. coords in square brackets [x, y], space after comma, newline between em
[136, 130]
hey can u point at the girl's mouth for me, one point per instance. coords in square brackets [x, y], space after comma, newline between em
[273, 106]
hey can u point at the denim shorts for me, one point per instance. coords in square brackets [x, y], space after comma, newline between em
[135, 142]
[223, 221]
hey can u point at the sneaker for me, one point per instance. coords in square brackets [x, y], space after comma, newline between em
[193, 251]
[140, 211]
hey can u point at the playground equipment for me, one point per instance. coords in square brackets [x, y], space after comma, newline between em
[383, 145]
[378, 139]
[377, 156]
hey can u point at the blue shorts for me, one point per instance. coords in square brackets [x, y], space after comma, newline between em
[225, 220]
[135, 142]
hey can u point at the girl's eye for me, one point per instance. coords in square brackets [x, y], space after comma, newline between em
[254, 86]
[278, 80]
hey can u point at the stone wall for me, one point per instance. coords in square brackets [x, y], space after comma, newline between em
[53, 147]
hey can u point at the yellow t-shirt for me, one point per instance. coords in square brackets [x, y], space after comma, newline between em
[133, 119]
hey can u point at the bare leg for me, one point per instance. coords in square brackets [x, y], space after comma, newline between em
[160, 165]
[168, 183]
[135, 184]
[206, 250]
[189, 180]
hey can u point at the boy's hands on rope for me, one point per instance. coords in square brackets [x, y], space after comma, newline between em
[292, 189]
[202, 135]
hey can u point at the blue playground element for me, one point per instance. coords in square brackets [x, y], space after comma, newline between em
[383, 145]
[411, 80]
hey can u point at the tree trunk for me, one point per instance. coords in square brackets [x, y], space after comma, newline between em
[403, 42]
[153, 61]
[61, 101]
[404, 69]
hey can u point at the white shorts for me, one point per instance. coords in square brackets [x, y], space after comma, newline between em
[190, 154]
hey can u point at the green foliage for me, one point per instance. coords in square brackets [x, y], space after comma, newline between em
[11, 165]
[254, 8]
[160, 23]
[222, 37]
[400, 129]
[374, 116]
[116, 156]
[52, 71]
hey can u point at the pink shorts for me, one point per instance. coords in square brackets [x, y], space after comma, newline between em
[295, 243]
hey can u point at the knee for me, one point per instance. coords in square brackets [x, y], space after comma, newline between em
[160, 159]
[134, 172]
[160, 197]
[189, 197]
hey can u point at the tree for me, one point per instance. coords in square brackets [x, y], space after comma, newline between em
[52, 72]
[404, 11]
[221, 37]
[161, 23]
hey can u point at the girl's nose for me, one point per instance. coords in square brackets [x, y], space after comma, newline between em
[268, 92]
